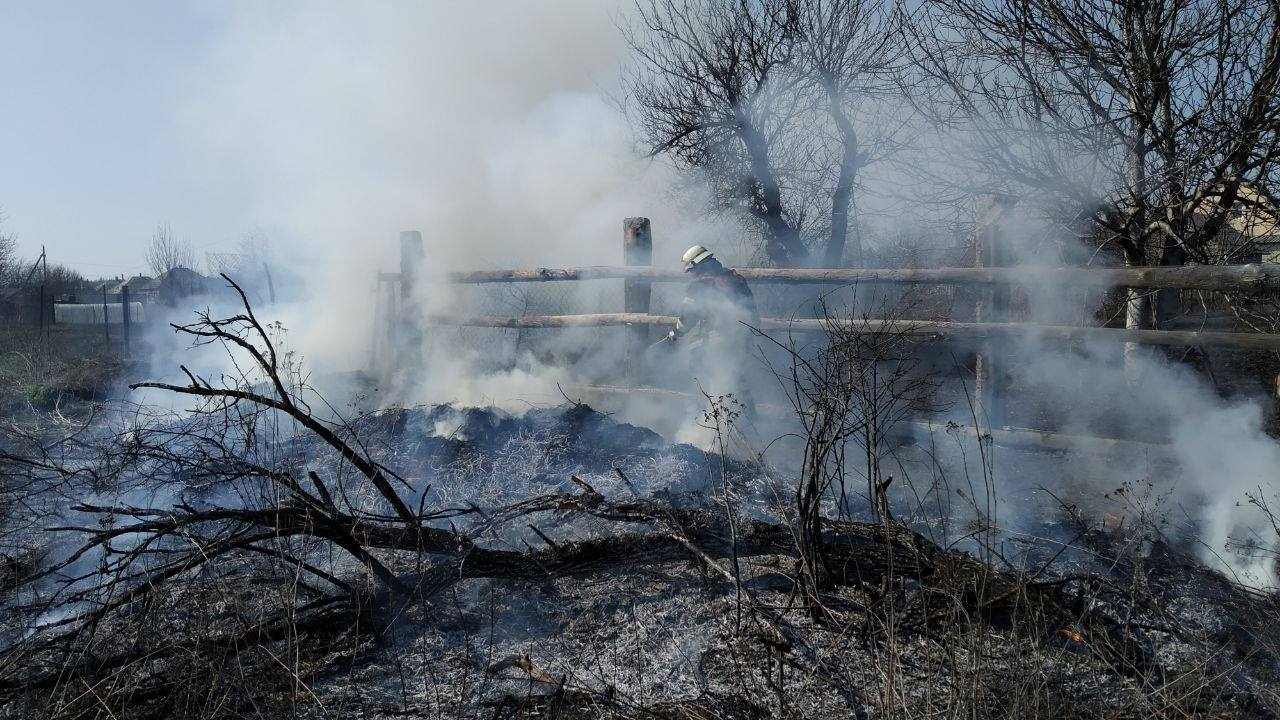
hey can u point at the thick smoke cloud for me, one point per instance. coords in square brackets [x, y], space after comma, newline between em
[1215, 455]
[496, 131]
[493, 129]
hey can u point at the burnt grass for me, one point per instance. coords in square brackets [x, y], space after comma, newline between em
[1122, 623]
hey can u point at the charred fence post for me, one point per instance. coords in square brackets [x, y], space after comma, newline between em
[411, 256]
[992, 307]
[637, 250]
[386, 315]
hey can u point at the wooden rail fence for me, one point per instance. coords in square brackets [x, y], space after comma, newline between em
[990, 330]
[1243, 278]
[939, 329]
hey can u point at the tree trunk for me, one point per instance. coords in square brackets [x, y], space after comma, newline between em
[1137, 316]
[1173, 252]
[1169, 300]
[842, 196]
[782, 242]
[1137, 311]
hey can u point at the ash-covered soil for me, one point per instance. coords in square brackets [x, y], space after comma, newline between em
[488, 456]
[682, 640]
[1067, 617]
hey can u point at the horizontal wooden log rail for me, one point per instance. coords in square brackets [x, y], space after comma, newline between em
[1245, 278]
[925, 328]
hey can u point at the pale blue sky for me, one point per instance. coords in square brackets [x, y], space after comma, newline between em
[324, 125]
[92, 154]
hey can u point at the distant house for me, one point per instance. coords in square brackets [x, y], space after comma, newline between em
[1252, 233]
[1262, 228]
[179, 283]
[141, 287]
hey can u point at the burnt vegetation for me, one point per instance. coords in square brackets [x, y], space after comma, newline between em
[259, 556]
[234, 546]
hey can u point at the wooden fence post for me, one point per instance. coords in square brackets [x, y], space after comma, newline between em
[411, 255]
[386, 315]
[637, 250]
[408, 322]
[124, 311]
[992, 250]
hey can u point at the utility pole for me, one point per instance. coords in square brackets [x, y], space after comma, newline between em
[271, 286]
[42, 264]
[44, 282]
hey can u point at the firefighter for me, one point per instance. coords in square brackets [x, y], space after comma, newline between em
[714, 327]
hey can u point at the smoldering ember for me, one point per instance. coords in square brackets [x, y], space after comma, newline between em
[640, 359]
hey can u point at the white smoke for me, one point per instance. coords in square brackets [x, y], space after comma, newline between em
[1210, 451]
[491, 130]
[495, 132]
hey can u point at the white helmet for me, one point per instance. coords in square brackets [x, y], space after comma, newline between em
[695, 255]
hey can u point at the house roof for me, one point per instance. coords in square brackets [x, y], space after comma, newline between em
[137, 283]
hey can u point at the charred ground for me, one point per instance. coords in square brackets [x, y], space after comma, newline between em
[257, 555]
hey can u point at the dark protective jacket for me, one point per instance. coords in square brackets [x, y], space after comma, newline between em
[716, 305]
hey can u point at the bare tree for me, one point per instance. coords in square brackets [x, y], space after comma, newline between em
[851, 389]
[167, 251]
[850, 56]
[60, 279]
[713, 88]
[8, 253]
[763, 100]
[1157, 120]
